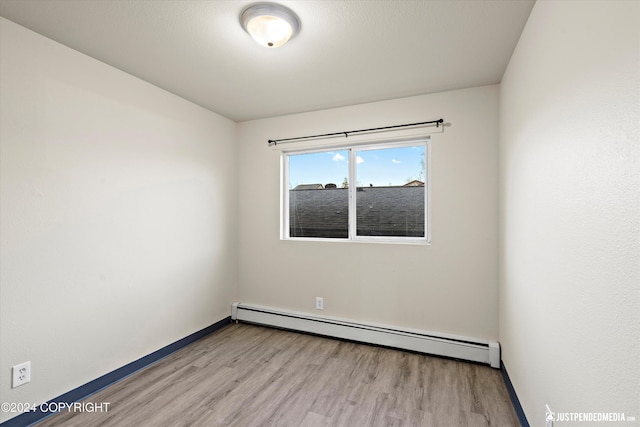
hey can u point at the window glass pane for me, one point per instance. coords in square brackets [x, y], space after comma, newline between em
[319, 195]
[390, 197]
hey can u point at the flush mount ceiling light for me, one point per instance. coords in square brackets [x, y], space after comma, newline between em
[270, 24]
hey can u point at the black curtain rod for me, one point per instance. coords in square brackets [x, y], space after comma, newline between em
[271, 142]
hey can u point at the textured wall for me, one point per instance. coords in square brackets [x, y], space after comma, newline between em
[570, 210]
[117, 216]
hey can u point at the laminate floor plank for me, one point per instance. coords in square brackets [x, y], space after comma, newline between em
[248, 376]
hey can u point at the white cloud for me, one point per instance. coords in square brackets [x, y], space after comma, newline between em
[338, 157]
[359, 160]
[397, 162]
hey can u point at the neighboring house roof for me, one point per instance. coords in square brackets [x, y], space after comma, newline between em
[380, 211]
[309, 187]
[414, 183]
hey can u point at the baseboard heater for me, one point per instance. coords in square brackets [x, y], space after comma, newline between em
[464, 348]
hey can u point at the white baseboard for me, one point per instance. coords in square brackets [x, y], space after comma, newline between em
[465, 348]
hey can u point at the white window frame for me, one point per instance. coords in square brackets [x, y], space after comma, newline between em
[352, 148]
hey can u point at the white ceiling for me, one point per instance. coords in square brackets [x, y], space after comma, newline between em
[347, 52]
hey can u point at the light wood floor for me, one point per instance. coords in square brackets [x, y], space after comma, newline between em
[245, 375]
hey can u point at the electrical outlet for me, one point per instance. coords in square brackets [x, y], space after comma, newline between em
[21, 374]
[319, 303]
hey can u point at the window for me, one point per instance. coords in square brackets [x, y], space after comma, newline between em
[368, 192]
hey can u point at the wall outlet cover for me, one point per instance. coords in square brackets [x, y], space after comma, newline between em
[21, 374]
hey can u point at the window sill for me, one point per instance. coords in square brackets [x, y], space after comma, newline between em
[375, 240]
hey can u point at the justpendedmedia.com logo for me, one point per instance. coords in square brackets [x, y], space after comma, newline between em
[593, 417]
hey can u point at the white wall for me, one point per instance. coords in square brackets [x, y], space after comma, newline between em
[570, 210]
[449, 286]
[117, 218]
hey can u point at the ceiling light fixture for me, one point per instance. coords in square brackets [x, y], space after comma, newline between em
[270, 24]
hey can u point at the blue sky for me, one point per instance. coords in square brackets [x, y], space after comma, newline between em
[380, 167]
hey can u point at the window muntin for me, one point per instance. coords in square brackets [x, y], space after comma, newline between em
[388, 202]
